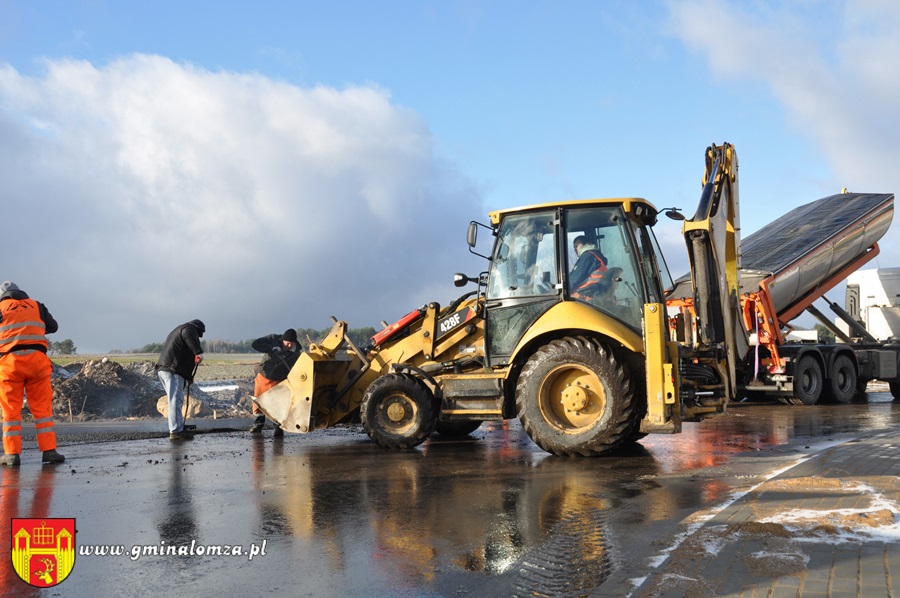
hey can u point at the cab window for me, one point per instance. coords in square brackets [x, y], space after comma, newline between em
[524, 260]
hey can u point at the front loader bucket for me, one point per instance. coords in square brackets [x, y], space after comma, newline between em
[305, 396]
[313, 396]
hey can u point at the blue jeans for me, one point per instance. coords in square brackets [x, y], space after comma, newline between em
[174, 385]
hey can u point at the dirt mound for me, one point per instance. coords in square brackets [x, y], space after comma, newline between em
[104, 389]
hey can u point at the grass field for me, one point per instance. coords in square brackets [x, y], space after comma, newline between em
[215, 366]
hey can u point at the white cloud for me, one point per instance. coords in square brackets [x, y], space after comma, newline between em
[146, 193]
[830, 64]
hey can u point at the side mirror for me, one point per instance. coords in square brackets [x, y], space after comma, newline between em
[472, 234]
[674, 214]
[460, 280]
[472, 237]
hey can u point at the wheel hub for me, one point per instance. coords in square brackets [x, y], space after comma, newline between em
[572, 397]
[396, 412]
[575, 398]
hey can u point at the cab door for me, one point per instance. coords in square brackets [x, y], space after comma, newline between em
[523, 282]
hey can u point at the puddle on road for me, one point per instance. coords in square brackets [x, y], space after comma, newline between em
[757, 426]
[482, 507]
[487, 515]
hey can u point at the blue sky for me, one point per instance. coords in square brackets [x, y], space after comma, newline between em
[265, 165]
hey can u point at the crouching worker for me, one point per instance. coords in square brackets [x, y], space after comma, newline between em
[282, 351]
[25, 369]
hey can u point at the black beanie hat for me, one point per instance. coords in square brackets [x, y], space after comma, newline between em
[200, 326]
[290, 335]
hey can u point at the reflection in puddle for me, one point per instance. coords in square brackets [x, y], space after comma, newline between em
[755, 427]
[539, 521]
[493, 510]
[176, 518]
[24, 505]
[572, 562]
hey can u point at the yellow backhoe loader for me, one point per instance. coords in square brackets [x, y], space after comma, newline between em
[584, 366]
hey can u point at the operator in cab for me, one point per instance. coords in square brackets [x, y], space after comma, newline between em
[587, 278]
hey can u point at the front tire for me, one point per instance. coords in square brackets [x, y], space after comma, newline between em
[398, 411]
[808, 380]
[573, 398]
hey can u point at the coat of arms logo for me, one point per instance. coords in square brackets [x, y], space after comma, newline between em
[43, 550]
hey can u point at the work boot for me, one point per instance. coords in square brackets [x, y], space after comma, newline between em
[11, 460]
[258, 424]
[278, 432]
[52, 456]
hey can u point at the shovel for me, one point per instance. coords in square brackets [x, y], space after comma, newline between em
[187, 400]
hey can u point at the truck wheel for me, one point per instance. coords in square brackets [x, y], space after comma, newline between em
[461, 428]
[842, 384]
[573, 398]
[398, 411]
[808, 380]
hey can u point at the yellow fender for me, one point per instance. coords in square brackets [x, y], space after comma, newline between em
[579, 317]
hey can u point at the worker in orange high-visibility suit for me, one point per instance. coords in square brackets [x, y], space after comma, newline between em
[25, 370]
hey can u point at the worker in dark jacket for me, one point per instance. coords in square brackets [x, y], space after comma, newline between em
[180, 353]
[282, 351]
[25, 369]
[587, 277]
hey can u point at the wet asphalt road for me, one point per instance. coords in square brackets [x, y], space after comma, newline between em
[331, 514]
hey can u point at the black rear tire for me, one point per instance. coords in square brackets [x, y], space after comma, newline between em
[573, 398]
[808, 381]
[398, 411]
[842, 384]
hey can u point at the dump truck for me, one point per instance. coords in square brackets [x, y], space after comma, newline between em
[786, 267]
[583, 372]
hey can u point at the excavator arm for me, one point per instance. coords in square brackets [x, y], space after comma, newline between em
[695, 379]
[713, 243]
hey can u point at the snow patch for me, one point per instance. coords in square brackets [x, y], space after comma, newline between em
[837, 526]
[217, 387]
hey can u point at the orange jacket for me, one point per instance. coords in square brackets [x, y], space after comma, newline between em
[21, 325]
[589, 270]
